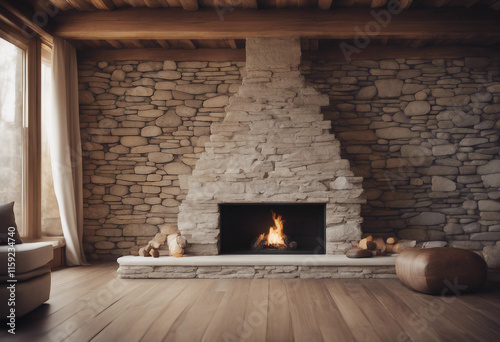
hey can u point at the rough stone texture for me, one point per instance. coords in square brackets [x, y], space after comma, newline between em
[442, 184]
[453, 113]
[492, 256]
[139, 140]
[474, 166]
[256, 272]
[272, 53]
[389, 87]
[273, 134]
[418, 108]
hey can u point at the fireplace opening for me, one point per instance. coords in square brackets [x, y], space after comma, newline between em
[272, 228]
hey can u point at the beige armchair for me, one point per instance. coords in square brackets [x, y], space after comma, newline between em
[32, 274]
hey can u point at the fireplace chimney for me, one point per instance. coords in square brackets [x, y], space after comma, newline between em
[273, 146]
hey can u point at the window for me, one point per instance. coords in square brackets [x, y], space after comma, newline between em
[12, 129]
[51, 219]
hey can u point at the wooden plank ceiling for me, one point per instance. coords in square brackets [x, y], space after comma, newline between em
[190, 5]
[68, 9]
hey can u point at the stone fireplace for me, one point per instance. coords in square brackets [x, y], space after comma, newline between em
[273, 146]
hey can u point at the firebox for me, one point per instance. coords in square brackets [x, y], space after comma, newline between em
[272, 228]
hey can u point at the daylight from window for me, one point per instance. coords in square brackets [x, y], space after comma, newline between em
[12, 128]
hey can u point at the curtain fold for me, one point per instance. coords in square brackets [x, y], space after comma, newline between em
[65, 148]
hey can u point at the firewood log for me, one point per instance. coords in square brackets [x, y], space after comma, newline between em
[175, 249]
[158, 240]
[402, 245]
[370, 245]
[171, 237]
[148, 247]
[391, 240]
[154, 253]
[389, 248]
[143, 253]
[363, 242]
[380, 246]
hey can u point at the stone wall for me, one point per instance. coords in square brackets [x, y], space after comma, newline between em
[143, 125]
[422, 133]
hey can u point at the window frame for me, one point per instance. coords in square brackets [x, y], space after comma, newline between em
[31, 128]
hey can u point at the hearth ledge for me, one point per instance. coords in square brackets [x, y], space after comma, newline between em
[257, 266]
[257, 260]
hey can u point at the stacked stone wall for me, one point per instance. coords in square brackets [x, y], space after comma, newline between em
[423, 133]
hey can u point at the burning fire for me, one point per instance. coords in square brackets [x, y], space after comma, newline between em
[275, 238]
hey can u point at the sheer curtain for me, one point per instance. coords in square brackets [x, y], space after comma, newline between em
[63, 128]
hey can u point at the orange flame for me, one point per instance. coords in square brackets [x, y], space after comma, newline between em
[275, 236]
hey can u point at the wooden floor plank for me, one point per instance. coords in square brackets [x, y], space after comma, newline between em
[375, 313]
[486, 327]
[174, 308]
[84, 308]
[227, 322]
[481, 306]
[330, 321]
[428, 310]
[91, 328]
[359, 324]
[142, 313]
[91, 304]
[255, 321]
[279, 320]
[398, 309]
[304, 324]
[194, 321]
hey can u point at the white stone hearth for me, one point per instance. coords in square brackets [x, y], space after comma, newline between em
[273, 146]
[258, 260]
[257, 266]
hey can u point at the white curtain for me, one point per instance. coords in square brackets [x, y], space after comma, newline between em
[65, 148]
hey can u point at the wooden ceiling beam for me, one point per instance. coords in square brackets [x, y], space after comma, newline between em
[12, 16]
[379, 3]
[163, 43]
[436, 3]
[156, 3]
[61, 4]
[159, 54]
[107, 5]
[189, 5]
[81, 5]
[388, 51]
[370, 52]
[405, 4]
[325, 4]
[115, 43]
[281, 3]
[249, 4]
[145, 23]
[232, 43]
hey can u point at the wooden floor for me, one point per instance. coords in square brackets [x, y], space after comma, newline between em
[91, 304]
